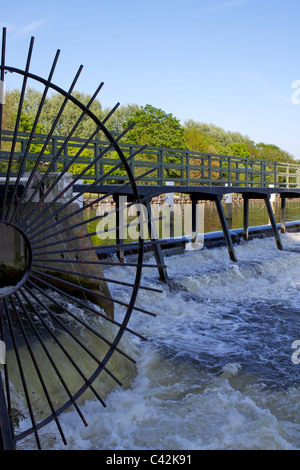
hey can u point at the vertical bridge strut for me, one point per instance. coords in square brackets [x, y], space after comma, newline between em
[216, 198]
[214, 194]
[266, 198]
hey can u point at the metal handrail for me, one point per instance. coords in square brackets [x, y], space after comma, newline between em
[183, 167]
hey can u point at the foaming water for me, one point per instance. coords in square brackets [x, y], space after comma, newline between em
[217, 370]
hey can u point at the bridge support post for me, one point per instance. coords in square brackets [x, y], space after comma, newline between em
[246, 219]
[194, 220]
[119, 230]
[225, 228]
[163, 275]
[273, 222]
[283, 201]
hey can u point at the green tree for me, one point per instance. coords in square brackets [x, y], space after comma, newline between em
[196, 141]
[26, 124]
[70, 115]
[218, 135]
[238, 149]
[273, 153]
[155, 128]
[218, 139]
[117, 122]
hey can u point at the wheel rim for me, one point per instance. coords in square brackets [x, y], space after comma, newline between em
[27, 307]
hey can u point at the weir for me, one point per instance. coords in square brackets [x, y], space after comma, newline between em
[54, 296]
[49, 211]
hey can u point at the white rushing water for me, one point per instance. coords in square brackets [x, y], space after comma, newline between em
[217, 371]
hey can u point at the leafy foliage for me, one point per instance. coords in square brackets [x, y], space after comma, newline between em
[153, 127]
[208, 138]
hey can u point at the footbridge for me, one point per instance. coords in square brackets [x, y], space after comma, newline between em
[157, 171]
[216, 195]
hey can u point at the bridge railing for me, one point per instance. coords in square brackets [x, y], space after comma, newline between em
[183, 167]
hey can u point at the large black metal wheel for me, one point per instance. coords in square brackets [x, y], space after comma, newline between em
[56, 339]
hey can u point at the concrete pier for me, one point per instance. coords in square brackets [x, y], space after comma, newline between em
[14, 256]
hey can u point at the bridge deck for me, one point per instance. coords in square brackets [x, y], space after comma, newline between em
[205, 192]
[198, 193]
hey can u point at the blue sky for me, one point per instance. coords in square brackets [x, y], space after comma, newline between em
[227, 62]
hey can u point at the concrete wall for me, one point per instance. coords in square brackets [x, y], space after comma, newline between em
[13, 255]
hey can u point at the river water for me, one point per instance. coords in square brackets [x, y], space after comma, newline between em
[219, 370]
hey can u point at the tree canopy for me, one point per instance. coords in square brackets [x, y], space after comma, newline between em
[153, 126]
[209, 138]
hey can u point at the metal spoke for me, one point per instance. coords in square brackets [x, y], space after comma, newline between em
[85, 289]
[80, 176]
[22, 375]
[65, 328]
[37, 281]
[47, 142]
[80, 372]
[98, 278]
[90, 248]
[87, 221]
[54, 161]
[36, 320]
[23, 160]
[42, 342]
[3, 336]
[100, 262]
[91, 187]
[2, 77]
[97, 233]
[37, 368]
[16, 131]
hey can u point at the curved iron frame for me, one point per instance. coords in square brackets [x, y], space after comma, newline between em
[15, 301]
